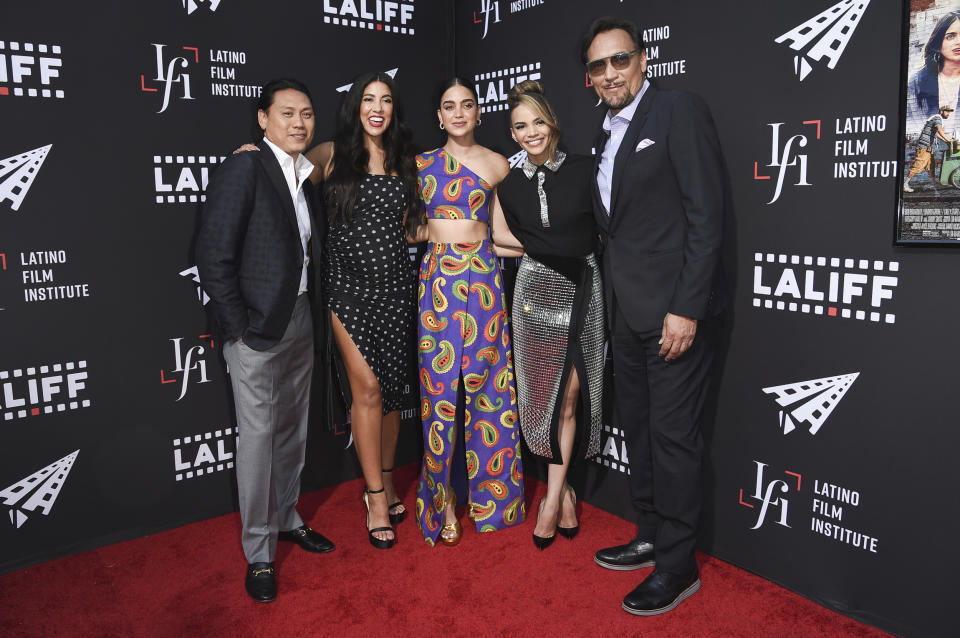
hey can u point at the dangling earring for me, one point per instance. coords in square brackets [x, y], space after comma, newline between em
[441, 126]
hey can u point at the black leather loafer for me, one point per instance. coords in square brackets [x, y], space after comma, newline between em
[661, 592]
[307, 539]
[261, 582]
[633, 555]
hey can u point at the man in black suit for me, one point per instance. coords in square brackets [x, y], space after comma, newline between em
[258, 241]
[659, 205]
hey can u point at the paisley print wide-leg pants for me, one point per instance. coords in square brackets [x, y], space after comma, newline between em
[465, 339]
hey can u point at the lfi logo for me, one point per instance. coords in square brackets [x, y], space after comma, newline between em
[39, 491]
[813, 401]
[839, 22]
[786, 157]
[170, 72]
[487, 8]
[187, 361]
[771, 495]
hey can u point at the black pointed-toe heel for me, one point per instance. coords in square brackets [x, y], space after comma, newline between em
[379, 543]
[398, 517]
[543, 542]
[570, 532]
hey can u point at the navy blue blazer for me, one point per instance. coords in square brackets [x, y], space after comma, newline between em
[661, 242]
[248, 251]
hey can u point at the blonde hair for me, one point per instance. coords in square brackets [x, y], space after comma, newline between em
[530, 93]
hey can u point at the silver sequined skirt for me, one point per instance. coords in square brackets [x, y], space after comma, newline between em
[543, 305]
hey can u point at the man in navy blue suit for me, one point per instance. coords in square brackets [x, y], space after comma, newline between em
[658, 201]
[258, 241]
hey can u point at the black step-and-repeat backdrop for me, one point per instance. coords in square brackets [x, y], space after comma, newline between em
[115, 413]
[833, 420]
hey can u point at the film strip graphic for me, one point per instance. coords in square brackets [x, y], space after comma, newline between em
[839, 22]
[18, 172]
[38, 491]
[822, 396]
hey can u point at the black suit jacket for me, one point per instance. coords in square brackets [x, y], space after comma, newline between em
[661, 241]
[249, 255]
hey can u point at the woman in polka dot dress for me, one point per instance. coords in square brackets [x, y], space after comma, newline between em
[369, 182]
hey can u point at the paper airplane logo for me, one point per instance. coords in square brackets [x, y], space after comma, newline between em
[346, 87]
[517, 159]
[193, 5]
[38, 491]
[816, 399]
[18, 172]
[194, 274]
[839, 23]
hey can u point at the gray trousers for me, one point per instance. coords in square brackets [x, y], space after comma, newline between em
[271, 391]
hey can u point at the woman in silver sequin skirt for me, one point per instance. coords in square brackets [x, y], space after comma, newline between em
[544, 212]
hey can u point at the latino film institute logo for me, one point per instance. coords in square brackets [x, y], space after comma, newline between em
[809, 402]
[30, 70]
[43, 389]
[193, 5]
[172, 77]
[17, 173]
[824, 36]
[190, 366]
[489, 12]
[847, 288]
[785, 155]
[38, 492]
[770, 497]
[386, 16]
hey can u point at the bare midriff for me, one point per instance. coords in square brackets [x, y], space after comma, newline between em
[457, 231]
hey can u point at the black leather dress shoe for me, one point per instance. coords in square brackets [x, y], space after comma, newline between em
[661, 592]
[261, 582]
[633, 555]
[307, 539]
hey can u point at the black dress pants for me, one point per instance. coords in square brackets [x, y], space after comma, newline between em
[658, 406]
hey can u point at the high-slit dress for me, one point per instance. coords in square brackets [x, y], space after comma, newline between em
[464, 347]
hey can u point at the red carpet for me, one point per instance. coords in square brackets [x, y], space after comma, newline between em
[189, 582]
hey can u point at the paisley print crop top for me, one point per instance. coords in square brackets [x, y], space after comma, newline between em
[450, 190]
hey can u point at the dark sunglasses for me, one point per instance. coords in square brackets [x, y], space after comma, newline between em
[620, 61]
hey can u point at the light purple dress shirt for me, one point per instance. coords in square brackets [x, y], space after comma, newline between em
[616, 126]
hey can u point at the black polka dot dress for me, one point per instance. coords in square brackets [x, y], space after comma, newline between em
[369, 282]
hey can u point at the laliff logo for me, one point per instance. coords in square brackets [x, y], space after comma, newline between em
[17, 173]
[39, 491]
[848, 288]
[179, 179]
[194, 274]
[816, 398]
[488, 9]
[171, 72]
[189, 363]
[32, 391]
[193, 5]
[613, 454]
[346, 87]
[839, 22]
[391, 16]
[23, 64]
[786, 157]
[771, 494]
[492, 87]
[204, 454]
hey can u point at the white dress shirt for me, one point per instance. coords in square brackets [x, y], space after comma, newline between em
[616, 126]
[295, 172]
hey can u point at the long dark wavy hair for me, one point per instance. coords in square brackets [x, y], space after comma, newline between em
[350, 155]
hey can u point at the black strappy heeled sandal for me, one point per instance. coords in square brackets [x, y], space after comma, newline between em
[379, 543]
[397, 518]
